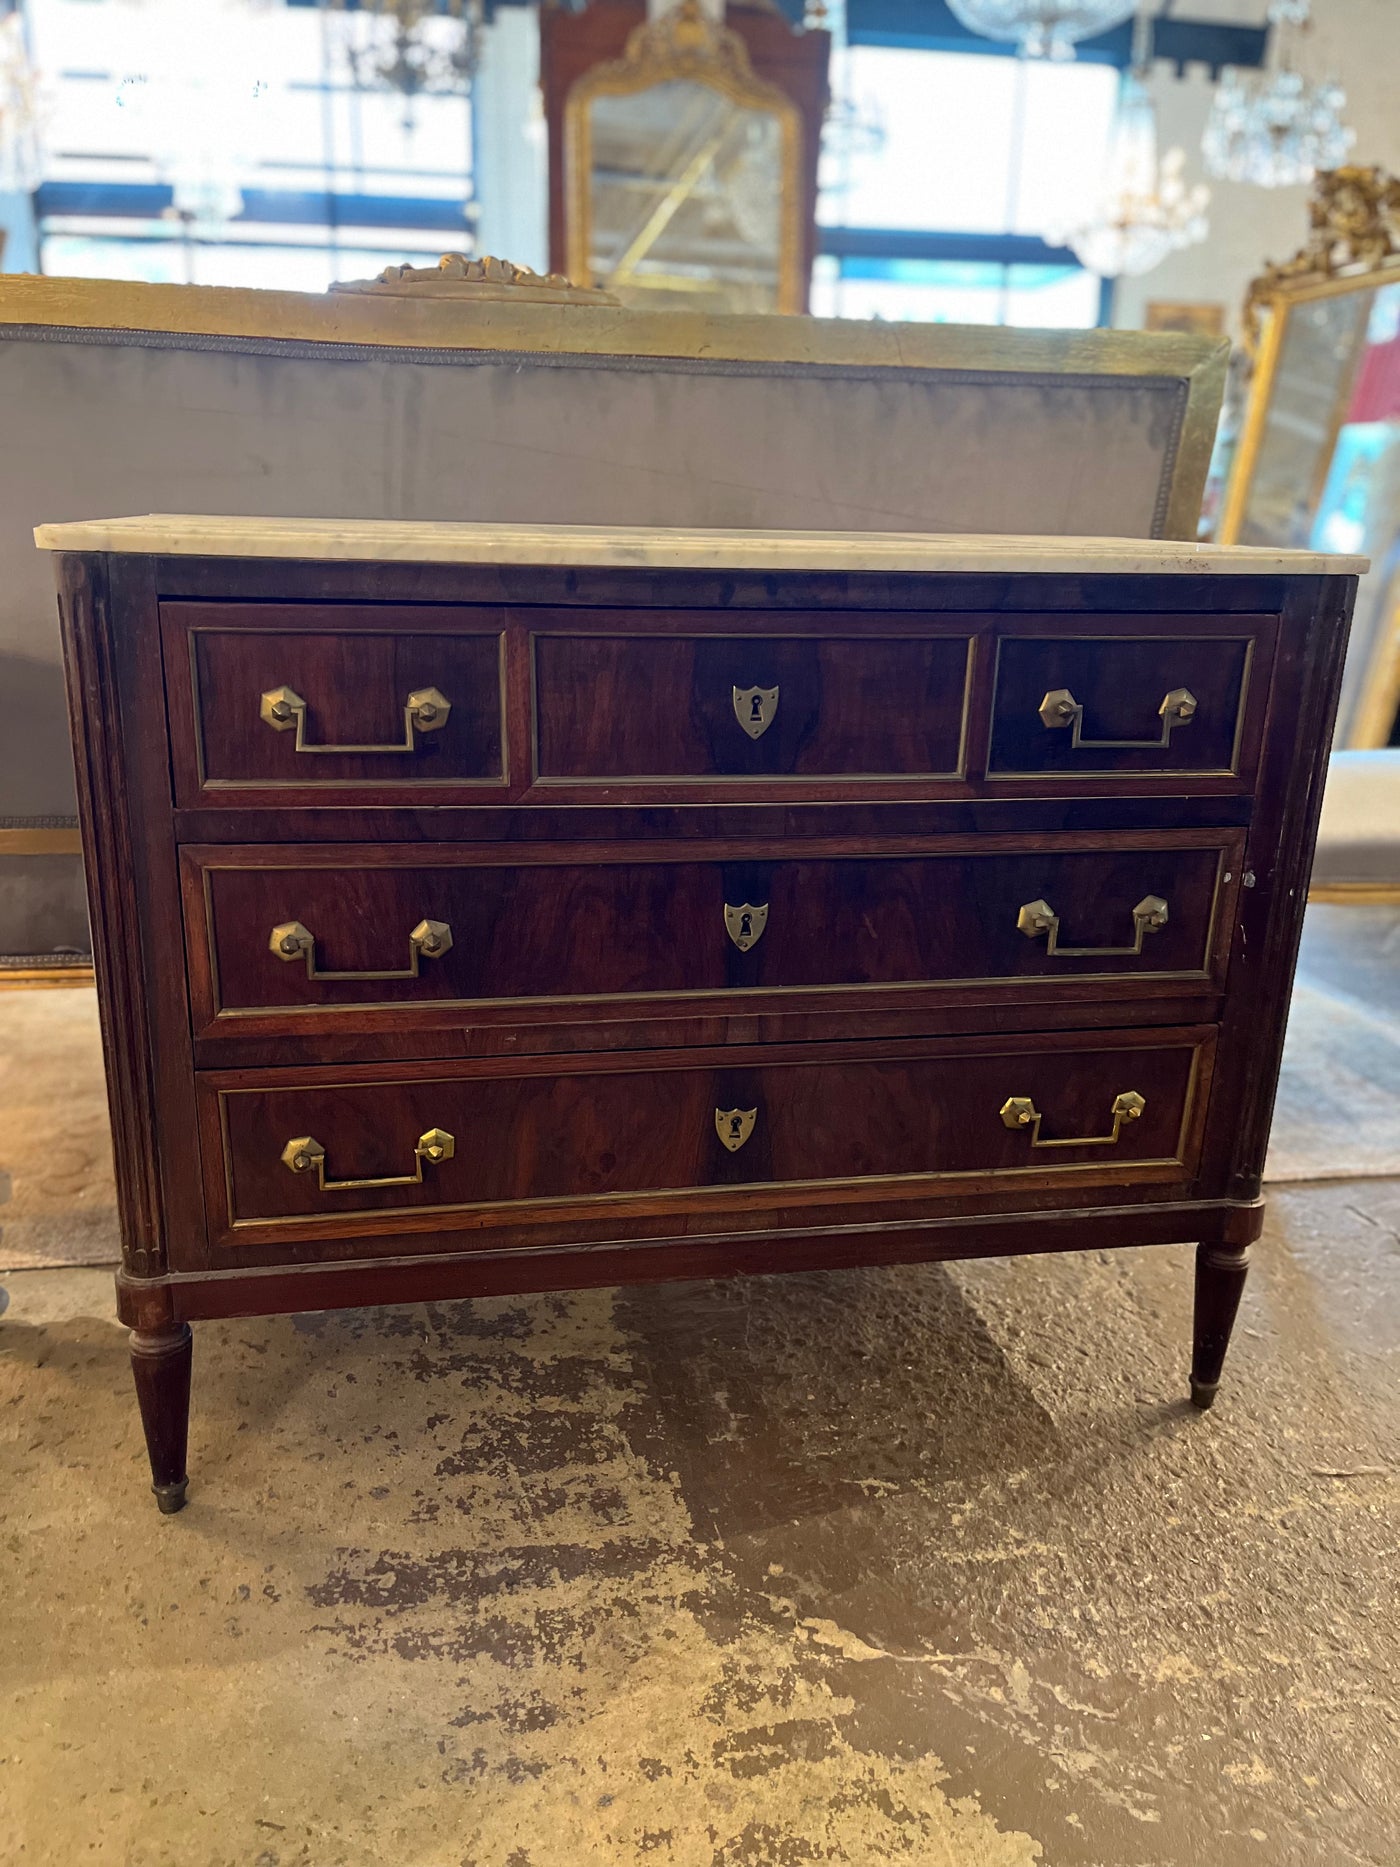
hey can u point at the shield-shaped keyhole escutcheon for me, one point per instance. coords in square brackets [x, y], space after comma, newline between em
[734, 1126]
[755, 709]
[745, 924]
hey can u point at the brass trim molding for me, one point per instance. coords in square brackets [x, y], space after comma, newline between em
[28, 977]
[1232, 770]
[438, 322]
[1151, 1167]
[1356, 894]
[1004, 983]
[539, 780]
[39, 841]
[300, 782]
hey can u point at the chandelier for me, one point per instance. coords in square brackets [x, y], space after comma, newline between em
[1279, 129]
[1041, 28]
[21, 110]
[1147, 209]
[415, 48]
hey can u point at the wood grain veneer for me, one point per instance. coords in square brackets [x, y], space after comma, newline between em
[582, 824]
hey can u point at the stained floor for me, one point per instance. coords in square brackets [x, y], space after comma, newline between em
[927, 1565]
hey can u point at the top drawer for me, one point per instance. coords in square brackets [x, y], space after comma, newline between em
[303, 704]
[854, 702]
[298, 703]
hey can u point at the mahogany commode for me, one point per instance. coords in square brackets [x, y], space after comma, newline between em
[482, 909]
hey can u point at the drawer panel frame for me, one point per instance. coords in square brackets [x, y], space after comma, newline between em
[519, 627]
[211, 1020]
[985, 631]
[1258, 636]
[182, 625]
[705, 626]
[348, 1232]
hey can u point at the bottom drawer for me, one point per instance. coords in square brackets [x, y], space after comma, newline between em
[440, 1148]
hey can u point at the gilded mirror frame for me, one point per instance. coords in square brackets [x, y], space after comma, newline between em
[683, 43]
[1353, 246]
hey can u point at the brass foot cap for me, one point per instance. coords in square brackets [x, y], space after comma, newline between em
[1203, 1394]
[170, 1498]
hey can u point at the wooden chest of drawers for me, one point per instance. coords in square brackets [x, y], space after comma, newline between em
[483, 909]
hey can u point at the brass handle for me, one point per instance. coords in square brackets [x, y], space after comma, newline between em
[734, 1126]
[1060, 708]
[305, 1152]
[424, 711]
[428, 940]
[1020, 1112]
[1038, 917]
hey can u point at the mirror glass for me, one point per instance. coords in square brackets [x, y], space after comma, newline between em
[1327, 476]
[1332, 427]
[685, 198]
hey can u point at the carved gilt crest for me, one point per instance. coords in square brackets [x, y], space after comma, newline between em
[1354, 225]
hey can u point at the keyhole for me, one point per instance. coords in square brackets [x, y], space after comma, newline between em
[745, 926]
[756, 708]
[734, 1127]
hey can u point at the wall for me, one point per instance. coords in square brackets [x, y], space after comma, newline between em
[510, 142]
[1355, 41]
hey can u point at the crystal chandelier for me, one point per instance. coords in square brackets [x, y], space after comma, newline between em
[21, 110]
[1041, 28]
[1147, 210]
[411, 47]
[1279, 129]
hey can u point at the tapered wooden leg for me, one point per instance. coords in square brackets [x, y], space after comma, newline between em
[160, 1362]
[1220, 1274]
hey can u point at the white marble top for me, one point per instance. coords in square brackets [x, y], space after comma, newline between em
[668, 548]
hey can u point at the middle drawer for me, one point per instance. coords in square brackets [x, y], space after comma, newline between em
[296, 933]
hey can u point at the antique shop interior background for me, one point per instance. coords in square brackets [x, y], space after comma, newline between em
[1224, 169]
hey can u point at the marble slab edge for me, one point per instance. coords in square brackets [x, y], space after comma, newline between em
[660, 548]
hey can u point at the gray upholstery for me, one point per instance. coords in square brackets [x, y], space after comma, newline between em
[1358, 842]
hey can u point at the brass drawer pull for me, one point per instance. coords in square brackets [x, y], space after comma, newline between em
[1060, 708]
[745, 924]
[1038, 917]
[305, 1152]
[1021, 1112]
[755, 708]
[734, 1126]
[428, 940]
[424, 711]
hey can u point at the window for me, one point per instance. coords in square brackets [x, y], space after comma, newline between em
[252, 109]
[983, 164]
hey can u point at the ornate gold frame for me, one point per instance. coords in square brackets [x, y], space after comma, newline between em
[1353, 243]
[683, 43]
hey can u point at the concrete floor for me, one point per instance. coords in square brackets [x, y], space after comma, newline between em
[926, 1566]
